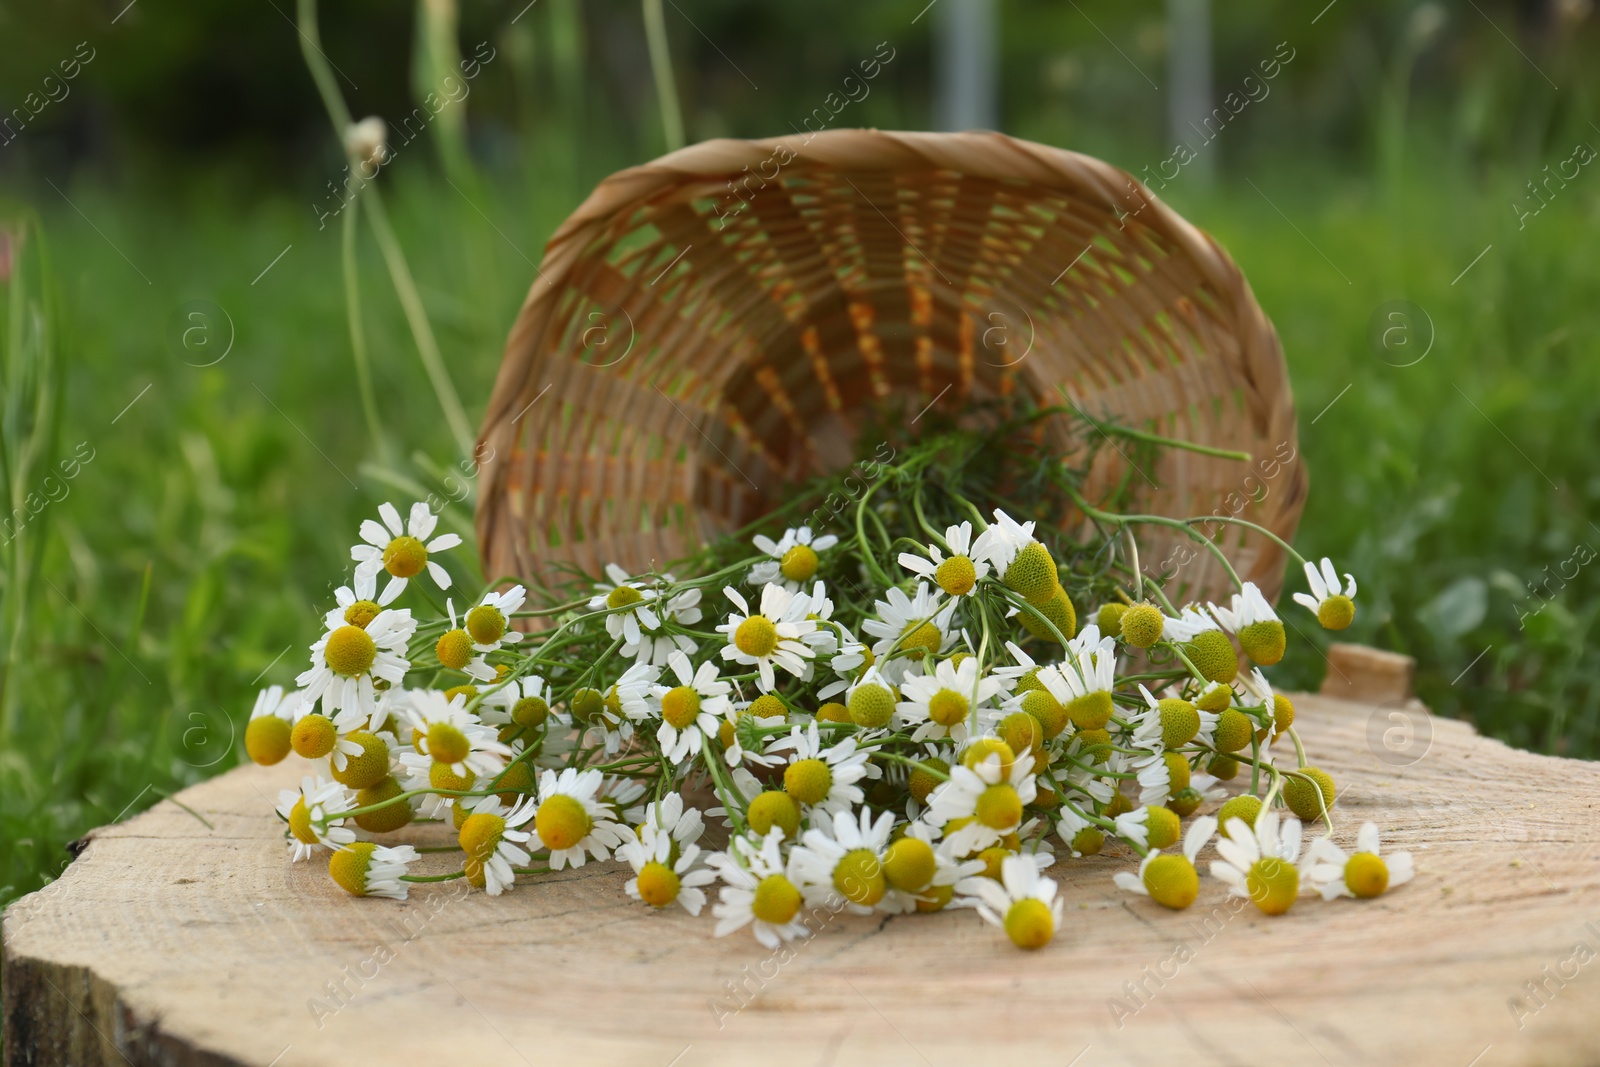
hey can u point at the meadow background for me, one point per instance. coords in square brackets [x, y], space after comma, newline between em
[211, 501]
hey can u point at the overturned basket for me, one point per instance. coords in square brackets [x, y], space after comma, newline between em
[709, 328]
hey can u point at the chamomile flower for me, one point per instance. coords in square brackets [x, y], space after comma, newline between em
[1191, 621]
[570, 820]
[822, 777]
[347, 660]
[1023, 903]
[1171, 880]
[306, 808]
[795, 558]
[680, 609]
[1333, 606]
[670, 816]
[911, 626]
[771, 637]
[1022, 665]
[1259, 862]
[940, 704]
[757, 891]
[267, 736]
[489, 621]
[1170, 722]
[845, 856]
[447, 733]
[1364, 874]
[402, 550]
[608, 717]
[918, 873]
[455, 650]
[364, 869]
[1082, 683]
[988, 797]
[958, 573]
[689, 709]
[1252, 620]
[659, 877]
[357, 606]
[631, 604]
[1000, 544]
[494, 841]
[524, 701]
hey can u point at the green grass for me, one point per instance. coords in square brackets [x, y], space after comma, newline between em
[193, 552]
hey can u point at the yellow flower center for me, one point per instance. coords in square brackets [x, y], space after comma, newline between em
[1090, 711]
[999, 807]
[350, 651]
[454, 649]
[756, 636]
[776, 900]
[947, 708]
[361, 612]
[909, 864]
[1179, 719]
[405, 557]
[773, 808]
[859, 876]
[386, 819]
[1032, 573]
[808, 781]
[348, 866]
[368, 768]
[1163, 826]
[994, 858]
[1336, 612]
[1233, 730]
[1263, 642]
[833, 711]
[680, 706]
[1022, 732]
[1273, 884]
[1243, 807]
[799, 564]
[935, 897]
[440, 776]
[486, 624]
[313, 737]
[658, 885]
[447, 743]
[480, 835]
[1043, 706]
[1029, 923]
[266, 739]
[918, 639]
[530, 712]
[1366, 875]
[516, 782]
[561, 822]
[1172, 882]
[587, 705]
[871, 706]
[622, 596]
[1091, 839]
[956, 575]
[1142, 625]
[984, 747]
[922, 781]
[300, 823]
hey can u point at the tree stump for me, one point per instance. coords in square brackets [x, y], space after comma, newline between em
[170, 942]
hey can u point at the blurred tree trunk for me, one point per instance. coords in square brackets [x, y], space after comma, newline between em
[966, 66]
[1189, 81]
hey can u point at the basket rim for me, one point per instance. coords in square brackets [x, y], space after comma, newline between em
[981, 154]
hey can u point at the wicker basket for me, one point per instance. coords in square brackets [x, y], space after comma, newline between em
[707, 329]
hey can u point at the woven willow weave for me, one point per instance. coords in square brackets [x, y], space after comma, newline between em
[707, 330]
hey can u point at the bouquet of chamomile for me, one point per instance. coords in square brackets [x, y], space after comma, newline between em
[880, 699]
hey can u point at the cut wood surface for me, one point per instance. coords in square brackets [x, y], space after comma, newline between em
[170, 942]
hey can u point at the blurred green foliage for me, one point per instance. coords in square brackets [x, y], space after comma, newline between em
[182, 566]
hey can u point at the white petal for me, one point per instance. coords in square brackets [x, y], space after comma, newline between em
[374, 534]
[444, 542]
[422, 521]
[1367, 838]
[391, 519]
[441, 577]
